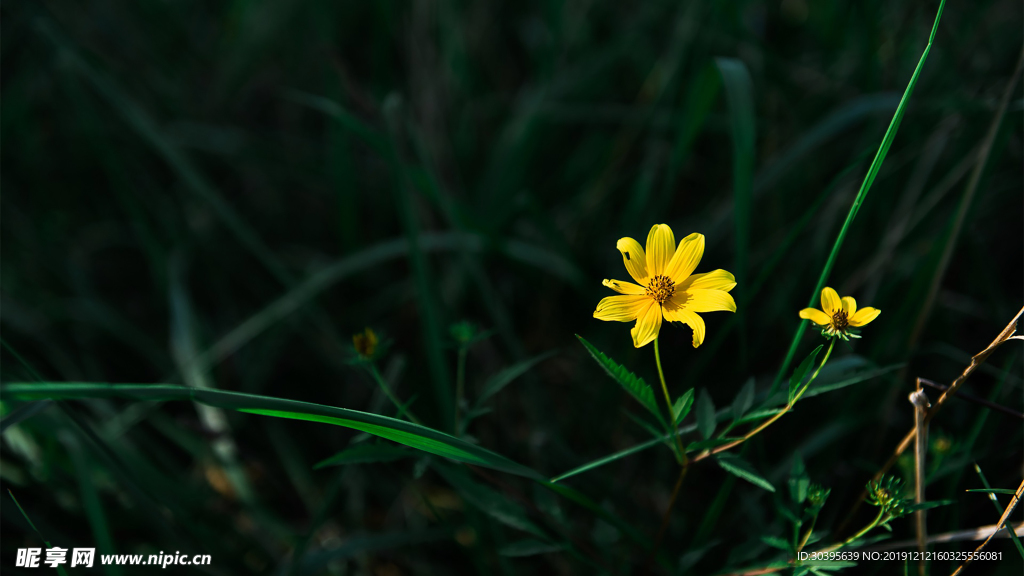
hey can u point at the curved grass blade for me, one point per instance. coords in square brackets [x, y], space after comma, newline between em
[364, 454]
[407, 433]
[869, 179]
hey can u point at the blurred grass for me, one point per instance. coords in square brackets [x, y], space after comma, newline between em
[314, 168]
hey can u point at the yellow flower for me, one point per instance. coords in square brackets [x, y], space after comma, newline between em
[840, 314]
[667, 287]
[365, 343]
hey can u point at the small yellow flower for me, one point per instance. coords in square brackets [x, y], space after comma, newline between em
[840, 314]
[667, 287]
[365, 343]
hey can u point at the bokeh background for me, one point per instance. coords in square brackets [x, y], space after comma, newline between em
[240, 182]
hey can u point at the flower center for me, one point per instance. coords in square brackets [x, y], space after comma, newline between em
[840, 321]
[661, 288]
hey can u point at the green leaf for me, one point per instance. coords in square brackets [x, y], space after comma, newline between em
[999, 510]
[366, 453]
[775, 542]
[407, 433]
[705, 414]
[801, 372]
[491, 502]
[528, 547]
[994, 490]
[740, 467]
[744, 400]
[823, 384]
[711, 443]
[682, 406]
[927, 505]
[633, 384]
[498, 381]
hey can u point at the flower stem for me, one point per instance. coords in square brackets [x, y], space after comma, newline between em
[878, 520]
[387, 392]
[681, 453]
[460, 379]
[771, 420]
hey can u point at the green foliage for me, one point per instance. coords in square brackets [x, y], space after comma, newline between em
[636, 386]
[223, 197]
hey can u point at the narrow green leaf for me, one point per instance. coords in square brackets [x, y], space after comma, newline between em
[994, 491]
[869, 179]
[740, 467]
[710, 443]
[633, 384]
[775, 542]
[927, 505]
[705, 414]
[999, 510]
[821, 385]
[528, 547]
[366, 453]
[682, 406]
[407, 433]
[800, 373]
[744, 400]
[492, 503]
[503, 378]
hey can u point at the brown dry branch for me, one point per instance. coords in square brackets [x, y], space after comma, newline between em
[1006, 335]
[921, 405]
[1002, 520]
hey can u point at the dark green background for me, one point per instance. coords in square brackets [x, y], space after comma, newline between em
[170, 169]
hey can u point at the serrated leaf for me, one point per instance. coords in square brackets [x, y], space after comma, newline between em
[682, 406]
[632, 383]
[366, 453]
[528, 547]
[743, 400]
[740, 467]
[775, 542]
[705, 414]
[503, 378]
[801, 371]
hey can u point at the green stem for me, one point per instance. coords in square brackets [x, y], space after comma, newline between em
[460, 379]
[681, 454]
[878, 520]
[771, 420]
[387, 392]
[807, 535]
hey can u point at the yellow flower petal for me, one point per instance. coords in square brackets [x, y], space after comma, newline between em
[660, 245]
[686, 258]
[622, 308]
[647, 325]
[705, 301]
[830, 302]
[849, 306]
[675, 313]
[624, 287]
[864, 315]
[714, 280]
[634, 258]
[816, 316]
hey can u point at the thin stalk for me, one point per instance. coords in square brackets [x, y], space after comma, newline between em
[387, 392]
[460, 379]
[771, 420]
[807, 535]
[920, 402]
[681, 453]
[878, 520]
[869, 179]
